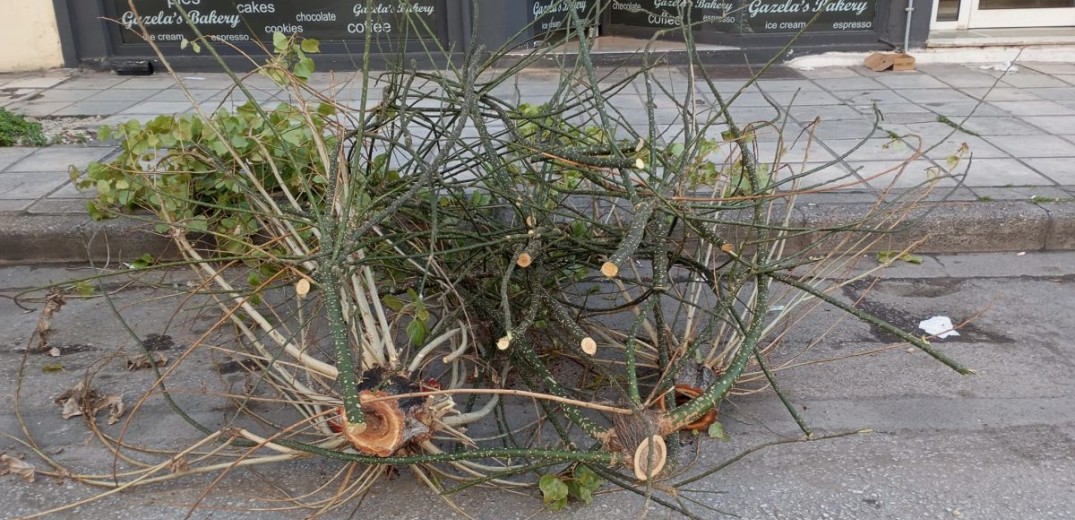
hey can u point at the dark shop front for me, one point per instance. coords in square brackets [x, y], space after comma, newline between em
[105, 34]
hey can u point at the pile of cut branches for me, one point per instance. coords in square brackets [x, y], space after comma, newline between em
[405, 276]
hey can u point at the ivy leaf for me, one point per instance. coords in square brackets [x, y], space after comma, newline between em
[311, 46]
[279, 42]
[198, 224]
[553, 491]
[304, 68]
[586, 477]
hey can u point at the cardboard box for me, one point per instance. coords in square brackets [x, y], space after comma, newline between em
[881, 61]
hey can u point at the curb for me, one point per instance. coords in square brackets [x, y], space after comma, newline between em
[52, 239]
[943, 227]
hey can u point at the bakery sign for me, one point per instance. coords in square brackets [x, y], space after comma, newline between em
[238, 21]
[746, 16]
[767, 16]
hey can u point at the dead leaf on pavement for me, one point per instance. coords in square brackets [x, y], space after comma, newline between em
[77, 400]
[53, 303]
[155, 359]
[14, 466]
[114, 403]
[71, 408]
[71, 398]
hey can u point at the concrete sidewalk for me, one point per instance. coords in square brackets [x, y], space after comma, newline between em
[1018, 194]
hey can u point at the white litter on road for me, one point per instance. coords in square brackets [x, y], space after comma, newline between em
[940, 326]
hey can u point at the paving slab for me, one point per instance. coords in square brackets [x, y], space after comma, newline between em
[882, 175]
[933, 95]
[30, 185]
[9, 156]
[998, 172]
[987, 126]
[908, 80]
[38, 109]
[1060, 170]
[1025, 79]
[94, 108]
[880, 96]
[1003, 93]
[59, 158]
[129, 94]
[964, 108]
[1021, 193]
[1053, 124]
[1024, 146]
[1033, 108]
[37, 81]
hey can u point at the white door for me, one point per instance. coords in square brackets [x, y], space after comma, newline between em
[982, 14]
[1021, 13]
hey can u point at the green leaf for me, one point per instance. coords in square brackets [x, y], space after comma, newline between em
[184, 43]
[716, 431]
[239, 141]
[304, 68]
[197, 48]
[84, 288]
[198, 224]
[95, 212]
[556, 505]
[52, 367]
[392, 302]
[143, 261]
[586, 477]
[912, 259]
[311, 46]
[554, 492]
[885, 257]
[416, 332]
[279, 42]
[583, 494]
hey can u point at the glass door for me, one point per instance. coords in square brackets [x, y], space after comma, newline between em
[1020, 13]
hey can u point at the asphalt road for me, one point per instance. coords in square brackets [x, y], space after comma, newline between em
[996, 445]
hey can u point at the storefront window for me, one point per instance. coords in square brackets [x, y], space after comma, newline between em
[747, 16]
[238, 21]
